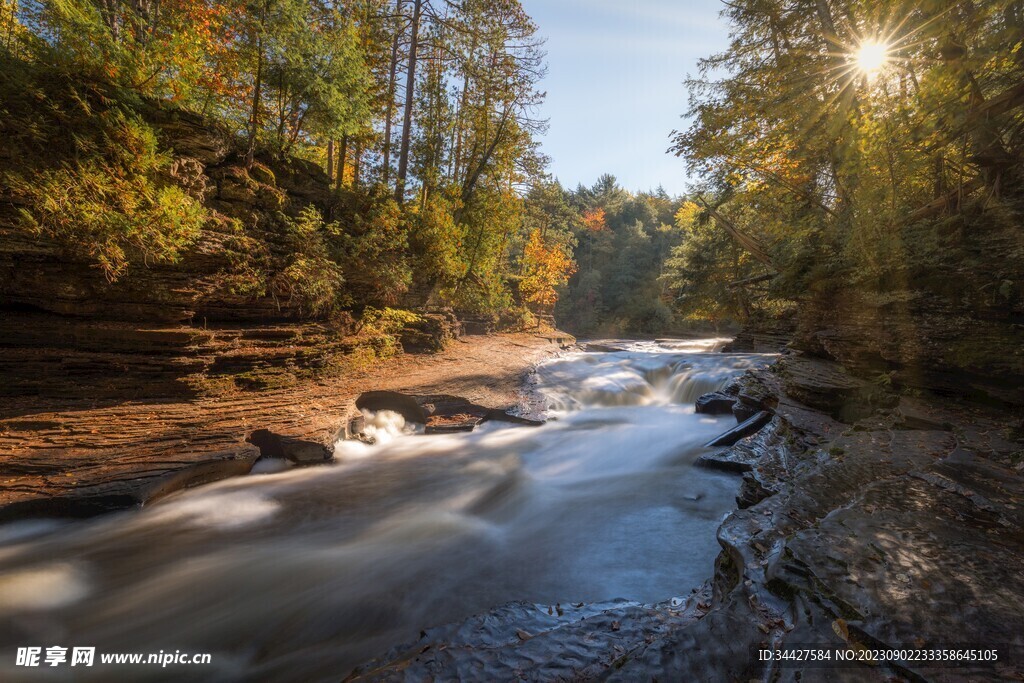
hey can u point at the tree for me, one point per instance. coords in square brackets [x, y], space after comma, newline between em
[325, 81]
[546, 267]
[621, 243]
[410, 90]
[835, 161]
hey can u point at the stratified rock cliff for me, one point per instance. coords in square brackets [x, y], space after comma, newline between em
[216, 319]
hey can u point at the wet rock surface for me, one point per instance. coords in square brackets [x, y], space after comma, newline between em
[865, 521]
[715, 403]
[277, 447]
[438, 413]
[745, 428]
[525, 641]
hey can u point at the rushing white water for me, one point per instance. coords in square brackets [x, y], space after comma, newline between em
[302, 574]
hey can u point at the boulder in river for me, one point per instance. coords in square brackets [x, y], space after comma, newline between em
[438, 413]
[715, 403]
[298, 451]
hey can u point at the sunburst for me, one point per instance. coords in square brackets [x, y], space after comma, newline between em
[871, 57]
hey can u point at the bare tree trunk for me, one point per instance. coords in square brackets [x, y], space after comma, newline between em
[12, 23]
[410, 92]
[457, 155]
[989, 152]
[390, 112]
[330, 161]
[474, 176]
[282, 113]
[747, 242]
[254, 118]
[463, 105]
[356, 161]
[827, 23]
[108, 12]
[146, 13]
[341, 163]
[472, 258]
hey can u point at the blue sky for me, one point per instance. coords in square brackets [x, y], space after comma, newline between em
[615, 84]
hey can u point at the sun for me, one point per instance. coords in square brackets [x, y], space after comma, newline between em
[871, 57]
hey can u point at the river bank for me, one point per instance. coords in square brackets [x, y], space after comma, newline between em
[78, 457]
[866, 521]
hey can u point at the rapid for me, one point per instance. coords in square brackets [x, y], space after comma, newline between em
[306, 573]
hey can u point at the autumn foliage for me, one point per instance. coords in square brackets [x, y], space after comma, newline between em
[410, 122]
[594, 220]
[547, 268]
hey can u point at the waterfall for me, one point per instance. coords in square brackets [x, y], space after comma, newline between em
[640, 376]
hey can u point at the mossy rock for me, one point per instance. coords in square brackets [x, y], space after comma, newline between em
[262, 174]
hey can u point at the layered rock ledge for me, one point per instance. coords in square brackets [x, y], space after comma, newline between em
[80, 456]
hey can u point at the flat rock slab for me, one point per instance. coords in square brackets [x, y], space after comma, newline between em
[741, 430]
[299, 451]
[729, 460]
[564, 340]
[715, 403]
[446, 414]
[125, 489]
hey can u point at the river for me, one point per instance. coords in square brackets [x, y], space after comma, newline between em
[303, 574]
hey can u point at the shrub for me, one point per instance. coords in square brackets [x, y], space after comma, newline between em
[105, 203]
[314, 283]
[389, 321]
[311, 280]
[371, 245]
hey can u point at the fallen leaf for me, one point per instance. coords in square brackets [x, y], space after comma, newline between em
[841, 629]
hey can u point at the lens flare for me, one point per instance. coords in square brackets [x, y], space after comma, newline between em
[871, 57]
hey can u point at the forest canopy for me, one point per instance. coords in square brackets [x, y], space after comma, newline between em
[834, 143]
[422, 114]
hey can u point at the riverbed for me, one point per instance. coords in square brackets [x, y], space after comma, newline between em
[301, 575]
